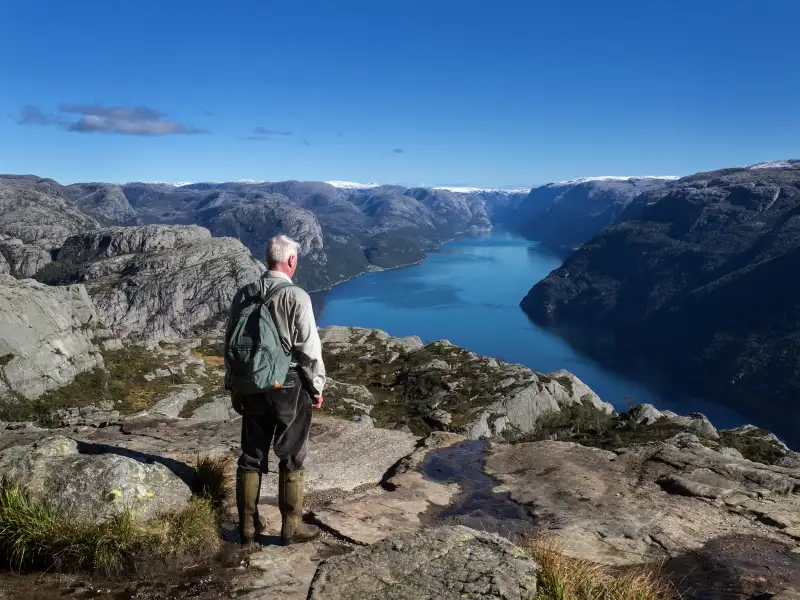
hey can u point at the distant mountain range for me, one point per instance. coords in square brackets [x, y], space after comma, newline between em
[344, 229]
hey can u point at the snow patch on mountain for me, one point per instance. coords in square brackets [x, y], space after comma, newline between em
[352, 185]
[611, 178]
[775, 164]
[474, 190]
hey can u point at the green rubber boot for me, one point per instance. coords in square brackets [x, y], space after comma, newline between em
[290, 498]
[248, 489]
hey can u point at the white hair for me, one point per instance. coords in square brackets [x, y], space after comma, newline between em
[280, 248]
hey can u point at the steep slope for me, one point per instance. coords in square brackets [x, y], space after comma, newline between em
[565, 214]
[105, 202]
[700, 279]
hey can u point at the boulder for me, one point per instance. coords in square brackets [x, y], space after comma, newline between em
[93, 483]
[46, 336]
[573, 391]
[219, 409]
[695, 422]
[447, 563]
[172, 404]
[645, 414]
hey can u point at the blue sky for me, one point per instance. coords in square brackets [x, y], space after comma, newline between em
[432, 92]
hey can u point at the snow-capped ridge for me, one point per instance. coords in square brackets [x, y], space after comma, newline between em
[172, 183]
[475, 190]
[352, 185]
[775, 164]
[610, 178]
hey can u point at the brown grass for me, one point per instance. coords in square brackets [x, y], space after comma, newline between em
[566, 578]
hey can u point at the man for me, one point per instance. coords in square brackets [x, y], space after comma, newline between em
[282, 417]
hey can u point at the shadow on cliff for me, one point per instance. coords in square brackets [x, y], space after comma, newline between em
[735, 567]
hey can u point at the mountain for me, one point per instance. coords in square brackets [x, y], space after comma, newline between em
[344, 228]
[565, 214]
[698, 276]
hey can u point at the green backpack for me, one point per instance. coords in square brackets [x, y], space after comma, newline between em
[255, 358]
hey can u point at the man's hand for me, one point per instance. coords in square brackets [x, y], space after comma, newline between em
[236, 402]
[317, 402]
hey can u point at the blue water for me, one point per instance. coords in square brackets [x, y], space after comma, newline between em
[468, 292]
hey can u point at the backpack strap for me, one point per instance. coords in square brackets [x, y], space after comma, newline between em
[267, 296]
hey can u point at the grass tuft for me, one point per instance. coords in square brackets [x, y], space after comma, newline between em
[36, 536]
[211, 483]
[567, 578]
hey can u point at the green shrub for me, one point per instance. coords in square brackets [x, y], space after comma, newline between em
[34, 535]
[752, 445]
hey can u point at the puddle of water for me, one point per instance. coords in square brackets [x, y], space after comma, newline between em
[478, 506]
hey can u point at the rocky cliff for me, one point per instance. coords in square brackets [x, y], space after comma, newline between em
[697, 276]
[564, 215]
[156, 281]
[448, 517]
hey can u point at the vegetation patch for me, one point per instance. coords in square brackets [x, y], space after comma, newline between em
[406, 389]
[589, 426]
[566, 578]
[122, 384]
[753, 445]
[36, 536]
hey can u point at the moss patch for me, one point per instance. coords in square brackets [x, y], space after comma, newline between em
[752, 445]
[406, 389]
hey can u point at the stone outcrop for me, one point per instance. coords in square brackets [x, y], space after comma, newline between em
[47, 336]
[21, 260]
[35, 216]
[447, 563]
[159, 282]
[442, 386]
[93, 483]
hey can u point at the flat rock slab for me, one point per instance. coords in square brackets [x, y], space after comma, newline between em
[447, 563]
[277, 572]
[649, 502]
[342, 455]
[369, 517]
